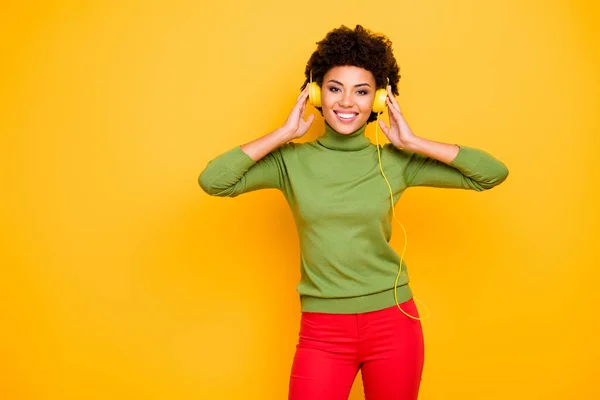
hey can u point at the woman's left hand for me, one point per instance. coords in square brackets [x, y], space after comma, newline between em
[399, 133]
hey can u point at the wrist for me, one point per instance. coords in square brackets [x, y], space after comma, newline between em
[415, 144]
[283, 134]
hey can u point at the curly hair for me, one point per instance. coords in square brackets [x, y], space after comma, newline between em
[360, 48]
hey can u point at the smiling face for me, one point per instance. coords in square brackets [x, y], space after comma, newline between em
[347, 95]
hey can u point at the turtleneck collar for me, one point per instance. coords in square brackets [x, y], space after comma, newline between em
[337, 141]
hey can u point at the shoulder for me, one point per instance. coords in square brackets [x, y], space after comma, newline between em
[292, 148]
[288, 152]
[394, 154]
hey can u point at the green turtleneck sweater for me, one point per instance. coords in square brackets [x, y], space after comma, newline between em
[341, 205]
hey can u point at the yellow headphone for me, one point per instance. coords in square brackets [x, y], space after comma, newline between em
[379, 106]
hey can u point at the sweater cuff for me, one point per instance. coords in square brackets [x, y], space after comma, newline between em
[467, 158]
[237, 159]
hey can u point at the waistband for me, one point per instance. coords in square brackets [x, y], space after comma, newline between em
[359, 304]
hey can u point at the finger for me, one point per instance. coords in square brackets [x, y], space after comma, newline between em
[309, 120]
[384, 128]
[303, 99]
[396, 112]
[396, 105]
[302, 93]
[304, 125]
[392, 98]
[393, 102]
[395, 117]
[301, 102]
[303, 108]
[391, 107]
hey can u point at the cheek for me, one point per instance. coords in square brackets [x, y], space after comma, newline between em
[327, 101]
[366, 104]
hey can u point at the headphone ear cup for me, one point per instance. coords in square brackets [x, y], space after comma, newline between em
[379, 103]
[314, 94]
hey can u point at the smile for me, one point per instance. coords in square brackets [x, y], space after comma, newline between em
[346, 117]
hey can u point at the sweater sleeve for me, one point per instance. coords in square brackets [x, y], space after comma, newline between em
[471, 169]
[235, 172]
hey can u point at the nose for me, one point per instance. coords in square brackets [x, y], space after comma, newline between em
[346, 100]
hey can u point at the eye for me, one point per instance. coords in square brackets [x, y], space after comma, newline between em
[363, 92]
[333, 89]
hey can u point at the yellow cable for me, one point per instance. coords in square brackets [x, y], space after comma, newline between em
[405, 235]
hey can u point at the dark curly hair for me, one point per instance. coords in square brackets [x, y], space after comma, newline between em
[360, 48]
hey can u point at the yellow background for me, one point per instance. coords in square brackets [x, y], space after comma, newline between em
[121, 279]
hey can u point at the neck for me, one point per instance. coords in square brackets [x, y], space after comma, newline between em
[345, 142]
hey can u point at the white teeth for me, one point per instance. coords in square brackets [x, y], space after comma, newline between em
[347, 116]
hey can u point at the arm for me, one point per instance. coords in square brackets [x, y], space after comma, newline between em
[443, 152]
[471, 168]
[262, 146]
[430, 163]
[257, 164]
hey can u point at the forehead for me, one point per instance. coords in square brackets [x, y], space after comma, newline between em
[349, 74]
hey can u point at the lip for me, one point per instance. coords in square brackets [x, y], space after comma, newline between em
[345, 120]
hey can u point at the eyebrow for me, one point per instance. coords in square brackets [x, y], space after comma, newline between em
[341, 84]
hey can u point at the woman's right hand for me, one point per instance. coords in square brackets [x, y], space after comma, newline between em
[295, 124]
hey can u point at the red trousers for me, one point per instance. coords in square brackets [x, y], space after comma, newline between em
[386, 345]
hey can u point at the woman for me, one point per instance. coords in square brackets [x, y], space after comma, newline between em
[357, 307]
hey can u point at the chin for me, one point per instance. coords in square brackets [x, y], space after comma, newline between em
[344, 127]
